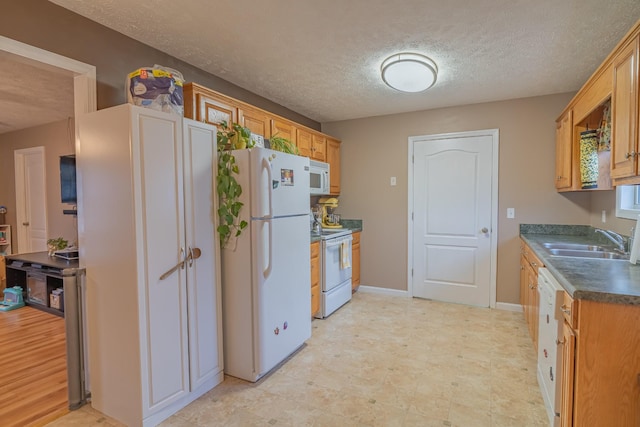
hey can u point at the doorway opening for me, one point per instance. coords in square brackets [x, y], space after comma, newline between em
[84, 96]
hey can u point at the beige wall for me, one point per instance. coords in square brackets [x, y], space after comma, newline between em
[606, 200]
[57, 138]
[376, 148]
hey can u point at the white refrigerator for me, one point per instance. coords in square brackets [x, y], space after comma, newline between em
[266, 279]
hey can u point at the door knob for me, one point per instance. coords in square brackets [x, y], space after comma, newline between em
[484, 230]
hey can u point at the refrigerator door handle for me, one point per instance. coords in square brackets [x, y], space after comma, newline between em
[267, 165]
[267, 271]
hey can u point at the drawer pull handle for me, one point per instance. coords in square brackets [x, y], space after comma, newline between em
[565, 310]
[558, 342]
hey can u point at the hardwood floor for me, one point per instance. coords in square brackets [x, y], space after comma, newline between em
[33, 368]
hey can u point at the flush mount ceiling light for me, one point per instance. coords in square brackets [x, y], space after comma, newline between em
[409, 72]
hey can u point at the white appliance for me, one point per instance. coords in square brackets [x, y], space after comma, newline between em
[265, 275]
[146, 196]
[549, 333]
[335, 271]
[319, 174]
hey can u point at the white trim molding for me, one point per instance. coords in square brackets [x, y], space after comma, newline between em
[383, 291]
[506, 306]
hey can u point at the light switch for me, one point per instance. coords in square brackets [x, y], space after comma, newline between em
[393, 181]
[511, 213]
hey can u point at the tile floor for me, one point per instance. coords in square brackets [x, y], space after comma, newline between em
[384, 361]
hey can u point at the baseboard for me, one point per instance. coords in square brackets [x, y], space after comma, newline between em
[509, 307]
[405, 294]
[383, 291]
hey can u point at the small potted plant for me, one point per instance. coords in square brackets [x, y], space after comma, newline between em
[56, 244]
[280, 143]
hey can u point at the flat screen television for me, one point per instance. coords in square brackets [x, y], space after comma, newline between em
[68, 179]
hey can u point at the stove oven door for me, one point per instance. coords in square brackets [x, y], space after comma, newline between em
[334, 268]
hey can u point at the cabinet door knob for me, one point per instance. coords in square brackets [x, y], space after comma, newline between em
[631, 154]
[558, 342]
[484, 230]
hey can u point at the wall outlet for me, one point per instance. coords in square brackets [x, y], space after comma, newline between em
[393, 181]
[511, 213]
[604, 216]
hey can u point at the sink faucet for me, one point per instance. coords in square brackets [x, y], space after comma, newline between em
[617, 239]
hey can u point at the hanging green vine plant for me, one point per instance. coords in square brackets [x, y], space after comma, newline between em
[229, 190]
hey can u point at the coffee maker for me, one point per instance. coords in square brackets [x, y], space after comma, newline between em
[329, 219]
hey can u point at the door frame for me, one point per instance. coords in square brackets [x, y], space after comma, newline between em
[495, 136]
[84, 101]
[84, 93]
[22, 240]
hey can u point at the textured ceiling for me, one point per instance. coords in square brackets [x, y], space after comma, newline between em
[322, 58]
[32, 94]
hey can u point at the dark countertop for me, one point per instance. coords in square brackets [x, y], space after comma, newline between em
[355, 225]
[602, 280]
[42, 258]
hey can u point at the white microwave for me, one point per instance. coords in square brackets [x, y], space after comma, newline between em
[318, 178]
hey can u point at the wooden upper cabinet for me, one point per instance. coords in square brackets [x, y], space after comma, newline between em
[311, 144]
[564, 147]
[284, 129]
[304, 141]
[214, 110]
[624, 112]
[333, 158]
[257, 121]
[206, 105]
[319, 147]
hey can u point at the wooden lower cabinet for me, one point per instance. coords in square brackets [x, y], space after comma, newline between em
[315, 278]
[355, 261]
[529, 264]
[568, 358]
[606, 380]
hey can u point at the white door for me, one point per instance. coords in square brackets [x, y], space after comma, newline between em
[454, 200]
[159, 183]
[200, 205]
[31, 199]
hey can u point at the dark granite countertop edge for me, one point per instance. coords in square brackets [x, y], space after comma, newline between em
[355, 225]
[575, 275]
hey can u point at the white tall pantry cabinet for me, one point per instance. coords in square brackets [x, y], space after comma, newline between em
[147, 182]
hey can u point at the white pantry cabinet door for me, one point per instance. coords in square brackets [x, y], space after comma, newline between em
[163, 310]
[203, 292]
